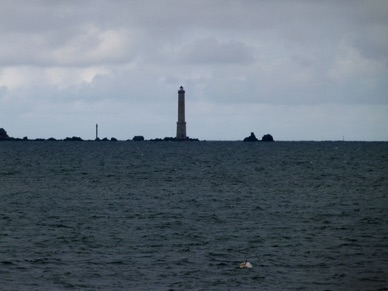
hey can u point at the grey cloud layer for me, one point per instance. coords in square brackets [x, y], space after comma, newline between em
[291, 53]
[53, 26]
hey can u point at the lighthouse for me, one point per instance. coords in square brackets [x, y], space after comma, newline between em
[181, 124]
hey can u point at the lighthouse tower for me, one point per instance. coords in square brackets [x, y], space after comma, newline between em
[181, 124]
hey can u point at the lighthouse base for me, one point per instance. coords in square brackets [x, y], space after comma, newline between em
[181, 131]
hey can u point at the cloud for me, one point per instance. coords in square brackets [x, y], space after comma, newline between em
[90, 46]
[211, 51]
[241, 63]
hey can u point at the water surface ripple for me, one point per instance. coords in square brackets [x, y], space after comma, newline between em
[180, 216]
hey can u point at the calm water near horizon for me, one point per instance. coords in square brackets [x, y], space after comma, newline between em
[182, 216]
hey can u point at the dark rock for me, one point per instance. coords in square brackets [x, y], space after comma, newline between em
[105, 139]
[25, 138]
[267, 137]
[138, 138]
[169, 139]
[192, 139]
[97, 139]
[51, 139]
[252, 137]
[3, 134]
[74, 138]
[113, 139]
[180, 140]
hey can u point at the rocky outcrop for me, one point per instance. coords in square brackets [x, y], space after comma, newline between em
[138, 138]
[74, 138]
[267, 137]
[3, 134]
[252, 137]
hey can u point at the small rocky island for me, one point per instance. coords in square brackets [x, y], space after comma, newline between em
[252, 137]
[5, 137]
[3, 134]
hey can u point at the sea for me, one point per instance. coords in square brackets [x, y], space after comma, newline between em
[183, 215]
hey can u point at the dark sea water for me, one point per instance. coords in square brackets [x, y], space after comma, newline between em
[182, 216]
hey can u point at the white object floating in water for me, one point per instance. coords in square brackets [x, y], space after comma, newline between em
[246, 265]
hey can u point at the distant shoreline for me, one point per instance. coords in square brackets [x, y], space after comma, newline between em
[78, 139]
[138, 138]
[159, 140]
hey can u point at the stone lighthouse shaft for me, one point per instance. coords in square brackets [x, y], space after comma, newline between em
[181, 124]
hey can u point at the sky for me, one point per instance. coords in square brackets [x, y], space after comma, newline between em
[298, 70]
